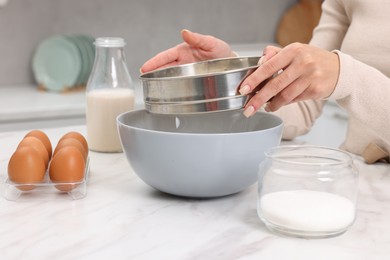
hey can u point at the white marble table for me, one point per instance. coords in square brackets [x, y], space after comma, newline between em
[123, 218]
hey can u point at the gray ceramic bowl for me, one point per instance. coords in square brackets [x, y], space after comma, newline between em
[206, 155]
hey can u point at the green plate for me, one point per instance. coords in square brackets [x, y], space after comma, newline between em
[57, 63]
[84, 58]
[88, 55]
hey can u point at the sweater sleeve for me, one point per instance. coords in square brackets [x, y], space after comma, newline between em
[365, 93]
[332, 26]
[362, 90]
[298, 118]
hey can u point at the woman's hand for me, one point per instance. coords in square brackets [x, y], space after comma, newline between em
[196, 47]
[296, 72]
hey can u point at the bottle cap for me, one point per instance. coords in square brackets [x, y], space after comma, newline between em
[109, 42]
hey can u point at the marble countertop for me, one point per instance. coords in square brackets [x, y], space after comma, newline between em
[123, 218]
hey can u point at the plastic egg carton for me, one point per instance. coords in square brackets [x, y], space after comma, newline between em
[45, 189]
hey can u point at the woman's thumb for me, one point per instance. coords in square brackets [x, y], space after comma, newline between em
[189, 37]
[196, 40]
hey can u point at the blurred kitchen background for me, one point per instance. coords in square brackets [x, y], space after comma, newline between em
[148, 27]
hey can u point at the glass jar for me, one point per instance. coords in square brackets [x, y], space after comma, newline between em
[110, 92]
[307, 191]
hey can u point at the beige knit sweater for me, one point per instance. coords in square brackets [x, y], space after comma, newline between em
[359, 32]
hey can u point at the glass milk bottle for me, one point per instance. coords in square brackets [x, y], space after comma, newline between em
[110, 92]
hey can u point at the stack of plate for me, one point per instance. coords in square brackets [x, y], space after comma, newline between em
[63, 62]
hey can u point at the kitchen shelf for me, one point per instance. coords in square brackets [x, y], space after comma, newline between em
[26, 107]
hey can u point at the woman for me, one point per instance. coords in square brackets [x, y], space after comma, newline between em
[348, 60]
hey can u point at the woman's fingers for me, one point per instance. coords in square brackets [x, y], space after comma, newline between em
[268, 53]
[274, 91]
[196, 47]
[161, 60]
[246, 88]
[280, 73]
[267, 70]
[288, 95]
[308, 73]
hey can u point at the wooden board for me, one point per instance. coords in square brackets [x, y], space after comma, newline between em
[297, 24]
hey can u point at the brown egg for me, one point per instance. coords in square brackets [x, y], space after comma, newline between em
[77, 136]
[26, 166]
[71, 142]
[44, 139]
[67, 165]
[35, 143]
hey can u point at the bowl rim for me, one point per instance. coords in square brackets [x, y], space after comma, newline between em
[144, 76]
[119, 123]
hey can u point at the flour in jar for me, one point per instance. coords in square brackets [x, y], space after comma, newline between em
[306, 210]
